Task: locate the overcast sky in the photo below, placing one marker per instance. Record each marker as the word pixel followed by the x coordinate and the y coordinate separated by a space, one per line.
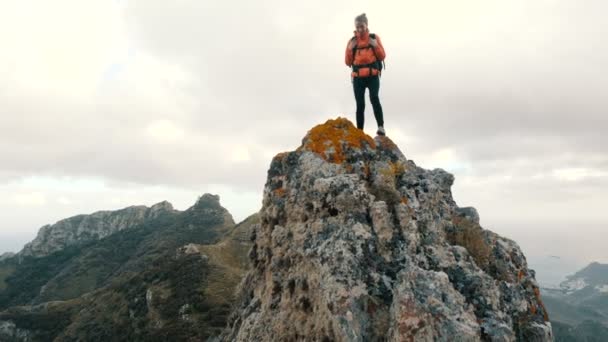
pixel 105 104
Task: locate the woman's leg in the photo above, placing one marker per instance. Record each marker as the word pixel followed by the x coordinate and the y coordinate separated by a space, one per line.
pixel 374 88
pixel 359 89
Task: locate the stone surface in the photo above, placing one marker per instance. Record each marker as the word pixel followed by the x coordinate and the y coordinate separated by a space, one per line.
pixel 357 243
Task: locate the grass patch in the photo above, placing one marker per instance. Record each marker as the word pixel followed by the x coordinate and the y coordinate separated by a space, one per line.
pixel 469 235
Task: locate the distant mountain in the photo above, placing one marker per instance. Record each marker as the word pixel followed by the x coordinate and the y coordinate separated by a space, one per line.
pixel 551 270
pixel 594 276
pixel 579 307
pixel 6 255
pixel 83 228
pixel 587 331
pixel 171 276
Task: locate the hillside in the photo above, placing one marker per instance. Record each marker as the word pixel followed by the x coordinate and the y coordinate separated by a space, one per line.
pixel 149 282
pixel 579 308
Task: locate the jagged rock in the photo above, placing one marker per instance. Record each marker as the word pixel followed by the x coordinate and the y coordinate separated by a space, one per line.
pixel 357 243
pixel 209 207
pixel 84 228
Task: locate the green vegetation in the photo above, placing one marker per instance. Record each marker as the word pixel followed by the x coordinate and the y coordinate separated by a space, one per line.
pixel 5 271
pixel 79 269
pixel 586 331
pixel 98 290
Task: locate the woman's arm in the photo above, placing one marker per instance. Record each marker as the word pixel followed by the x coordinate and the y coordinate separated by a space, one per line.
pixel 348 59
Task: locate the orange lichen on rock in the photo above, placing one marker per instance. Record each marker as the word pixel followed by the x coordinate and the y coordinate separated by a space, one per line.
pixel 541 304
pixel 281 155
pixel 520 275
pixel 386 143
pixel 330 139
pixel 366 170
pixel 280 192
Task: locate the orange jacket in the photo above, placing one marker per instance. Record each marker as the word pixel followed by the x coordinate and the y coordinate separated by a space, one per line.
pixel 364 55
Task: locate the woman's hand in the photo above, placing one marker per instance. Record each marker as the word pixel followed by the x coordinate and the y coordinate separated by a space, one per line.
pixel 373 42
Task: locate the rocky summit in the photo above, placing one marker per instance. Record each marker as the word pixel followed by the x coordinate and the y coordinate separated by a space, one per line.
pixel 357 243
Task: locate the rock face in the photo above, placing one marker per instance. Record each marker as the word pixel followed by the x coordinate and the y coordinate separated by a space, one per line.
pixel 357 243
pixel 83 228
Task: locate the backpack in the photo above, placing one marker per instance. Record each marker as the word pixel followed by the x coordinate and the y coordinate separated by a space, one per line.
pixel 377 64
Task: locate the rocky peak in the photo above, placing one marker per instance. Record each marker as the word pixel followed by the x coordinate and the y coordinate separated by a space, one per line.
pixel 357 243
pixel 208 210
pixel 160 207
pixel 208 201
pixel 82 228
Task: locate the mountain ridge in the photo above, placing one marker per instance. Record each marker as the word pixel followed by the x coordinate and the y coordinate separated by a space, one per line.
pixel 88 227
pixel 579 306
pixel 164 279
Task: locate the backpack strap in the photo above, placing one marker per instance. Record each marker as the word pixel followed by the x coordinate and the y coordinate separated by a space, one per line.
pixel 373 36
pixel 353 39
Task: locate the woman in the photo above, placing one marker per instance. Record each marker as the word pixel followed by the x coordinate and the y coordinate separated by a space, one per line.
pixel 365 53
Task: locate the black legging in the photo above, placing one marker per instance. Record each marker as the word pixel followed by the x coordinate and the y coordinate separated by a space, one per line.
pixel 359 85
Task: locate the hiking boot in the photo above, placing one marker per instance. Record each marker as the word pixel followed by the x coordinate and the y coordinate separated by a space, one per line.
pixel 381 131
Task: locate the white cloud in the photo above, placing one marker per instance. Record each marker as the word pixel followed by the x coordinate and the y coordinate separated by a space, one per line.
pixel 577 174
pixel 240 154
pixel 164 131
pixel 29 199
pixel 64 200
pixel 59 48
pixel 102 98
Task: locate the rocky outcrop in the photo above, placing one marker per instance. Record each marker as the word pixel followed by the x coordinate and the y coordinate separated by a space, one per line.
pixel 357 243
pixel 84 228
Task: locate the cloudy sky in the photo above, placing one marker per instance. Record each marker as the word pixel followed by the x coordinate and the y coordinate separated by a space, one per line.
pixel 105 104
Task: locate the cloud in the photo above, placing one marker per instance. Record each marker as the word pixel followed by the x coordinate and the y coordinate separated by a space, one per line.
pixel 192 95
pixel 578 174
pixel 29 199
pixel 164 131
